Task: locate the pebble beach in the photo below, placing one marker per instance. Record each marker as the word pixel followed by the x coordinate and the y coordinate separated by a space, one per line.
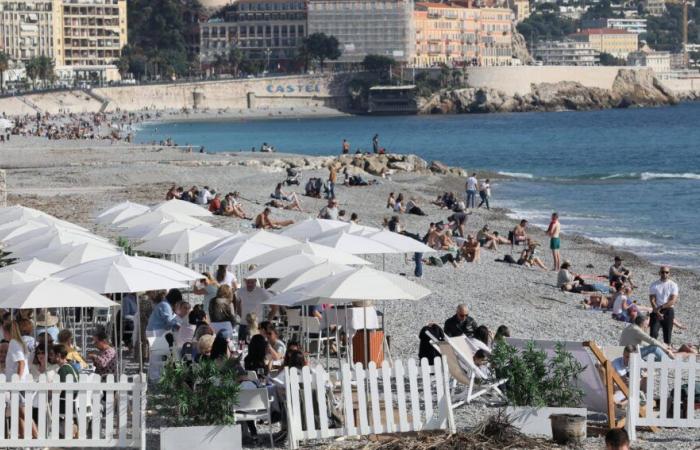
pixel 74 179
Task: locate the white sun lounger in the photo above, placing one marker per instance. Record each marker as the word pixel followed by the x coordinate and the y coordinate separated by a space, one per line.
pixel 460 361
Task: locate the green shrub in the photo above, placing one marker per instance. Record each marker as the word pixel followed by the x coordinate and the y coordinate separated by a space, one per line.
pixel 535 381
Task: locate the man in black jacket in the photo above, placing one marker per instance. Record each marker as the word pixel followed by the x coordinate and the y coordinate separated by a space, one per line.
pixel 461 323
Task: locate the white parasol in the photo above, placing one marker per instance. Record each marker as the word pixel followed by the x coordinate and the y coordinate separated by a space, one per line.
pixel 176 206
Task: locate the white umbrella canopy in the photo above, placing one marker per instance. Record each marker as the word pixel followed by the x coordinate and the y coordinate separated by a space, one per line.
pixel 354 244
pixel 27 236
pixel 16 228
pixel 362 230
pixel 17 212
pixel 51 293
pixel 286 266
pixel 223 241
pixel 157 217
pixel 120 212
pixel 152 231
pixel 113 278
pixel 177 243
pixel 309 228
pixel 156 266
pixel 310 249
pixel 71 254
pixel 52 239
pixel 400 242
pixel 176 206
pixel 356 284
pixel 6 124
pixel 16 277
pixel 34 267
pixel 242 249
pixel 218 232
pixel 304 276
pixel 37 221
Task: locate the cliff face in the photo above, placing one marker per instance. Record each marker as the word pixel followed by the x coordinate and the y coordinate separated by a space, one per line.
pixel 630 88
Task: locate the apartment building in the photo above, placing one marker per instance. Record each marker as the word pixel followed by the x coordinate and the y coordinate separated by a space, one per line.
pixel 270 31
pixel 30 28
pixel 94 32
pixel 366 27
pixel 633 25
pixel 618 43
pixel 565 53
pixel 461 36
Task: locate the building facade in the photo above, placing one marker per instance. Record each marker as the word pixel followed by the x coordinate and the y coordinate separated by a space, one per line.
pixel 31 29
pixel 655 7
pixel 268 31
pixel 521 8
pixel 94 32
pixel 565 53
pixel 633 25
pixel 460 36
pixel 366 27
pixel 660 62
pixel 618 43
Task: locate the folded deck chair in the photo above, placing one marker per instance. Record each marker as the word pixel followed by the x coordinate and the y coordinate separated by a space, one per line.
pixel 460 362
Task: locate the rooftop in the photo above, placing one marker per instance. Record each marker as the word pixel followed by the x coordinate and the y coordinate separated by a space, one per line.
pixel 589 31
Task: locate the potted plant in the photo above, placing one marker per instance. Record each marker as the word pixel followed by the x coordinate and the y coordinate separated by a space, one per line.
pixel 539 388
pixel 199 400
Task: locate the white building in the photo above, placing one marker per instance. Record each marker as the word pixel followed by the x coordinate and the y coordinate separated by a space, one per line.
pixel 655 7
pixel 565 53
pixel 660 62
pixel 632 25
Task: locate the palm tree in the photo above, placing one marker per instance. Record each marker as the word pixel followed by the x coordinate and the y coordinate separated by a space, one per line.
pixel 4 65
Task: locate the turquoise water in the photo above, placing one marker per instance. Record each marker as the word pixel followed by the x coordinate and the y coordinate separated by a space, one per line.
pixel 629 178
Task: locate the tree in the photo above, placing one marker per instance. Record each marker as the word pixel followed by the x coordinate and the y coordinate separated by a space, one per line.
pixel 220 62
pixel 606 59
pixel 31 67
pixel 601 10
pixel 378 63
pixel 321 47
pixel 545 26
pixel 235 59
pixel 4 65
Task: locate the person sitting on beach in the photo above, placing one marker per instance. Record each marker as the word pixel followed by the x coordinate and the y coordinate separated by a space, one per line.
pixel 528 258
pixel 481 338
pixel 391 201
pixel 399 206
pixel 570 282
pixel 519 233
pixel 446 241
pixel 231 207
pixel 173 193
pixel 413 208
pixel 291 197
pixel 481 360
pixel 204 196
pixel 461 323
pixel 624 309
pixel 264 222
pixel 354 218
pixel 636 335
pixel 330 211
pixel 502 332
pixel 189 195
pixel 471 250
pixel 313 187
pixel 458 219
pixel 618 272
pixel 215 204
pixel 490 240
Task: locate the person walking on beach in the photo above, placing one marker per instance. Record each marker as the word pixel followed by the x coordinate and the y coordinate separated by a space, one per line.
pixel 554 240
pixel 332 177
pixel 471 187
pixel 485 193
pixel 663 295
pixel 346 147
pixel 375 143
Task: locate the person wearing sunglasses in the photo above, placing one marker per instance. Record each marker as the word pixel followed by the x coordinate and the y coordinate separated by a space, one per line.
pixel 663 295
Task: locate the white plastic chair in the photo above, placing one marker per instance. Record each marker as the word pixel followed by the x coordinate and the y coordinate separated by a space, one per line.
pixel 293 323
pixel 312 326
pixel 254 404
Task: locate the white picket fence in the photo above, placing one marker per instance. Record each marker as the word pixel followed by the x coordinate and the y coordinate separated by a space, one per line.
pixel 106 413
pixel 398 397
pixel 664 380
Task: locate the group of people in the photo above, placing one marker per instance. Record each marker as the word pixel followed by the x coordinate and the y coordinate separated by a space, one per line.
pixel 474 186
pixel 71 126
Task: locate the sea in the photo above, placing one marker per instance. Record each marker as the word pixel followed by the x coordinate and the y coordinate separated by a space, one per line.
pixel 628 178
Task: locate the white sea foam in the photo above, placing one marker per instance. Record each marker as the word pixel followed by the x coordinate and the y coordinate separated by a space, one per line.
pixel 645 176
pixel 626 242
pixel 527 176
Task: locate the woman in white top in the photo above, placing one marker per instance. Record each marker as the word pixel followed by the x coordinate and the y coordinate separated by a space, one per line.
pixel 17 363
pixel 208 287
pixel 485 193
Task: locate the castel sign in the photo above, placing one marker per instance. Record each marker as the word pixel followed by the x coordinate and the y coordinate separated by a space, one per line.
pixel 291 88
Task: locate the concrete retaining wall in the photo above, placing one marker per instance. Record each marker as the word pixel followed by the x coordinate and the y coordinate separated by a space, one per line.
pixel 517 79
pixel 684 86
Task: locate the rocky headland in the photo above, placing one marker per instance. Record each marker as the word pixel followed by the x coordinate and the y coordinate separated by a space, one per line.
pixel 631 88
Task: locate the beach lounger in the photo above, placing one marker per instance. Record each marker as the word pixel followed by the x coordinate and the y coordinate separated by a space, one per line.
pixel 460 361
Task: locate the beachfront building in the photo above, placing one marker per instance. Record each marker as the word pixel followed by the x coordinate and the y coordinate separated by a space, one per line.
pixel 366 27
pixel 618 43
pixel 660 62
pixel 565 53
pixel 456 35
pixel 521 8
pixel 268 31
pixel 631 24
pixel 94 32
pixel 30 29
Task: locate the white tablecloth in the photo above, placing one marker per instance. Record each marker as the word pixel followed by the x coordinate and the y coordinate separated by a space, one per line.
pixel 355 318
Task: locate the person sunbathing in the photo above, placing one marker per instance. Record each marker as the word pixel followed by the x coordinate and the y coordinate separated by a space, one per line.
pixel 231 207
pixel 528 258
pixel 264 222
pixel 471 250
pixel 413 208
pixel 446 241
pixel 490 240
pixel 291 197
pixel 391 201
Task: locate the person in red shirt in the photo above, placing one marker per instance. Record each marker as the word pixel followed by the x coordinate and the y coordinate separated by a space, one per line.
pixel 215 204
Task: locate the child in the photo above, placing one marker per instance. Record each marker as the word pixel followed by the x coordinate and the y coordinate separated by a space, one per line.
pixel 481 360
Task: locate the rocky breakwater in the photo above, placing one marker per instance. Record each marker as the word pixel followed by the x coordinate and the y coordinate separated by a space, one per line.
pixel 372 164
pixel 631 87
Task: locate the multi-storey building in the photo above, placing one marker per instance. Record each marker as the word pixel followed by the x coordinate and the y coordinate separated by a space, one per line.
pixel 618 43
pixel 565 53
pixel 521 8
pixel 264 30
pixel 79 35
pixel 655 7
pixel 458 36
pixel 94 32
pixel 30 28
pixel 366 27
pixel 633 25
pixel 660 62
